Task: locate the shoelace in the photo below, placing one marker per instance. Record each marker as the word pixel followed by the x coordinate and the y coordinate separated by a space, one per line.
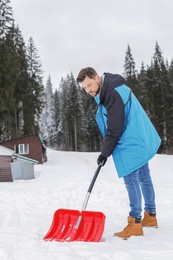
pixel 126 229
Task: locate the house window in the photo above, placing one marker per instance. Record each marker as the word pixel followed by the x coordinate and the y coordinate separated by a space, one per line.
pixel 21 148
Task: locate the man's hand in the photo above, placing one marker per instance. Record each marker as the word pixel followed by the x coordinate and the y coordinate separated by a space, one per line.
pixel 101 160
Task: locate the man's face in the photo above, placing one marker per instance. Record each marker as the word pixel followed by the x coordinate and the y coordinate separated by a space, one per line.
pixel 91 86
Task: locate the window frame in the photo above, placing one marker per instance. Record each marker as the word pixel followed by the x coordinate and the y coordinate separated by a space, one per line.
pixel 21 148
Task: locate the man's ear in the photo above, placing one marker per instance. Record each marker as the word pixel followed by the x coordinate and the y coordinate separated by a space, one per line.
pixel 98 79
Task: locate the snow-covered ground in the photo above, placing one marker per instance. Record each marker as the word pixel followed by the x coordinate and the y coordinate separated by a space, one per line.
pixel 27 208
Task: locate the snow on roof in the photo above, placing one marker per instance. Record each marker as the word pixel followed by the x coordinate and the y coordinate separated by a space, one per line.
pixel 6 151
pixel 9 152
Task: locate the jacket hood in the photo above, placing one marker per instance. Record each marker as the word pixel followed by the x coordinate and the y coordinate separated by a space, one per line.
pixel 111 81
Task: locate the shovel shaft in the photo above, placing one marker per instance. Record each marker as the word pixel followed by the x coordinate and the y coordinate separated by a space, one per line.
pixel 88 195
pixel 91 187
pixel 86 201
pixel 94 178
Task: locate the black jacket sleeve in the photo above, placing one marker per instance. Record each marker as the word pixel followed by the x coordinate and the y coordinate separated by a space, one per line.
pixel 115 121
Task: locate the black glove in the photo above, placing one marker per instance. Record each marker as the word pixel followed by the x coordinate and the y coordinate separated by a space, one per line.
pixel 101 160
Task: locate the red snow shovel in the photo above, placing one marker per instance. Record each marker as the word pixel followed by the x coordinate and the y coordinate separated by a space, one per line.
pixel 73 225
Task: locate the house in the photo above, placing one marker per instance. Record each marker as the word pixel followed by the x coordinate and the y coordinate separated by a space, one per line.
pixel 5 167
pixel 14 166
pixel 30 146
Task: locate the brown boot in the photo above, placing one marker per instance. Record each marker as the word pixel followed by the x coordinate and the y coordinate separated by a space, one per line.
pixel 149 220
pixel 134 228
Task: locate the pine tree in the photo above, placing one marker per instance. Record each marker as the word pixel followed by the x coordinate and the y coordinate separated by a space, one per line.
pixel 63 128
pixel 143 97
pixel 56 118
pixel 6 17
pixel 48 126
pixel 70 129
pixel 160 92
pixel 33 104
pixel 148 85
pixel 130 73
pixel 6 48
pixel 8 79
pixel 76 119
pixel 21 83
pixel 129 66
pixel 170 111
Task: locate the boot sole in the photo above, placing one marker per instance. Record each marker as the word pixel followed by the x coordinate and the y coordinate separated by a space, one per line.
pixel 150 226
pixel 125 238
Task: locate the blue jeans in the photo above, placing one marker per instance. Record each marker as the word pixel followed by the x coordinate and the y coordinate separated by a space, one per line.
pixel 139 183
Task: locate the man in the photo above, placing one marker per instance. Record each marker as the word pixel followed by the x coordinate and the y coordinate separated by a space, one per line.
pixel 131 139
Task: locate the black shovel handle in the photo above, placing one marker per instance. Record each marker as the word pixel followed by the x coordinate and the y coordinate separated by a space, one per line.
pixel 94 178
pixel 91 187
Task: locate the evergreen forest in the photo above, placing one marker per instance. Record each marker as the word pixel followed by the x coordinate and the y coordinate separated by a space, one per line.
pixel 66 116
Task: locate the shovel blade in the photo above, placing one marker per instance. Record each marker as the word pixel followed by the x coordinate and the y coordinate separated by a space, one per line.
pixel 64 228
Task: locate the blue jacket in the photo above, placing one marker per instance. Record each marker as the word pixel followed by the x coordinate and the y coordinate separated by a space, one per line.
pixel 128 133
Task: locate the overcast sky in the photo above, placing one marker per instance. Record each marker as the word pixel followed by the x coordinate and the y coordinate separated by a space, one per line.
pixel 72 34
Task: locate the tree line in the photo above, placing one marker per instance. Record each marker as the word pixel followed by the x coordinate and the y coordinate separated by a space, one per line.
pixel 66 116
pixel 21 79
pixel 68 119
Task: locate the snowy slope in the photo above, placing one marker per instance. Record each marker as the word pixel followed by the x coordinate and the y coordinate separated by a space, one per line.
pixel 27 208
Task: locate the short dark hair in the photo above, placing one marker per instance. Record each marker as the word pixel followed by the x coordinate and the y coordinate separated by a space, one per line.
pixel 90 72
